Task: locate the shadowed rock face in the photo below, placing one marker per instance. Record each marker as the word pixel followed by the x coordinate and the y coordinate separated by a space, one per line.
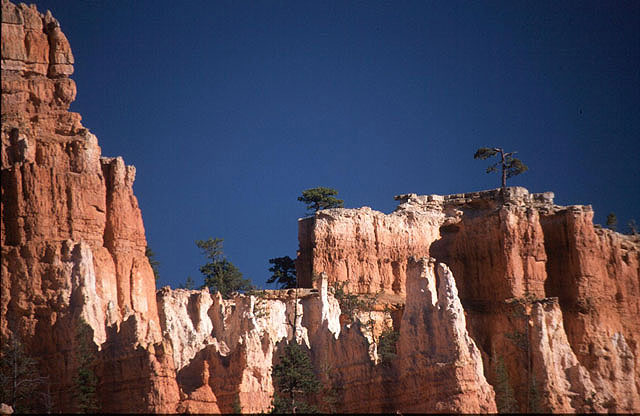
pixel 475 288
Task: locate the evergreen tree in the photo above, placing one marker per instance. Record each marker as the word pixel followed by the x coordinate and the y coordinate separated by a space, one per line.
pixel 534 398
pixel 612 221
pixel 505 397
pixel 220 274
pixel 387 345
pixel 284 272
pixel 320 198
pixel 188 284
pixel 153 262
pixel 85 380
pixel 19 377
pixel 294 380
pixel 633 227
pixel 509 165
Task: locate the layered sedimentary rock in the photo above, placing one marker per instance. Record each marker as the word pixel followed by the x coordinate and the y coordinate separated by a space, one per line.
pixel 73 243
pixel 364 249
pixel 508 254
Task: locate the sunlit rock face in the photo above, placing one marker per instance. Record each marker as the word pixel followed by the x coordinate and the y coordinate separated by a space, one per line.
pixel 508 252
pixel 595 273
pixel 73 241
pixel 234 344
pixel 364 249
pixel 435 351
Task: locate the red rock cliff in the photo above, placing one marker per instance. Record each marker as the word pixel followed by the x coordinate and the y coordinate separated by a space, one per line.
pixel 548 296
pixel 72 236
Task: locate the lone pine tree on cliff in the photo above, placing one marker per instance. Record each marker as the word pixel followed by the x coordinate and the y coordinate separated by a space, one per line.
pixel 153 262
pixel 612 221
pixel 320 198
pixel 510 166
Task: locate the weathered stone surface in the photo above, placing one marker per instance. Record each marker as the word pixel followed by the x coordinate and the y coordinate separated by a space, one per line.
pixel 72 235
pixel 595 273
pixel 435 352
pixel 237 342
pixel 506 252
pixel 363 248
pixel 564 382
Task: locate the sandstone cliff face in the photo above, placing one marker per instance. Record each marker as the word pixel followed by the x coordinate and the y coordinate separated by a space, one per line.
pixel 595 273
pixel 72 235
pixel 512 257
pixel 235 343
pixel 364 249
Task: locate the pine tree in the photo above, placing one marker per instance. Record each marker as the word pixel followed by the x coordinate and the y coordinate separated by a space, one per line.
pixel 505 397
pixel 509 165
pixel 320 198
pixel 153 262
pixel 85 380
pixel 633 227
pixel 188 284
pixel 387 345
pixel 220 274
pixel 534 404
pixel 19 378
pixel 294 380
pixel 612 221
pixel 284 272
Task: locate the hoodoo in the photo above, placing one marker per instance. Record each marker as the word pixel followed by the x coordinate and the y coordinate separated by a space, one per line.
pixel 479 302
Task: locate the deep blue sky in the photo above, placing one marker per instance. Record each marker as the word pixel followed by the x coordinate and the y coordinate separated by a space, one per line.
pixel 230 109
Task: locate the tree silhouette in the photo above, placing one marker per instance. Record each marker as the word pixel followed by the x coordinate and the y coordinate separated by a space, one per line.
pixel 220 274
pixel 612 221
pixel 152 261
pixel 509 165
pixel 320 198
pixel 284 272
pixel 633 227
pixel 188 284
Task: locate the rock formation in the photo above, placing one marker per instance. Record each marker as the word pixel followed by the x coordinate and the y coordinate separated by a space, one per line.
pixel 531 275
pixel 73 241
pixel 468 302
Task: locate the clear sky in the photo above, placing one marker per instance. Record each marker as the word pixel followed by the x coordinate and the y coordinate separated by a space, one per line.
pixel 229 109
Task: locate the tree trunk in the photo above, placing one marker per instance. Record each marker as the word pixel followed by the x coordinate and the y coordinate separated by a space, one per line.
pixel 504 171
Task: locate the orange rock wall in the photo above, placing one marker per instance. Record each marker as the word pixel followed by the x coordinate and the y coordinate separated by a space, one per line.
pixel 362 248
pixel 508 253
pixel 595 273
pixel 72 236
